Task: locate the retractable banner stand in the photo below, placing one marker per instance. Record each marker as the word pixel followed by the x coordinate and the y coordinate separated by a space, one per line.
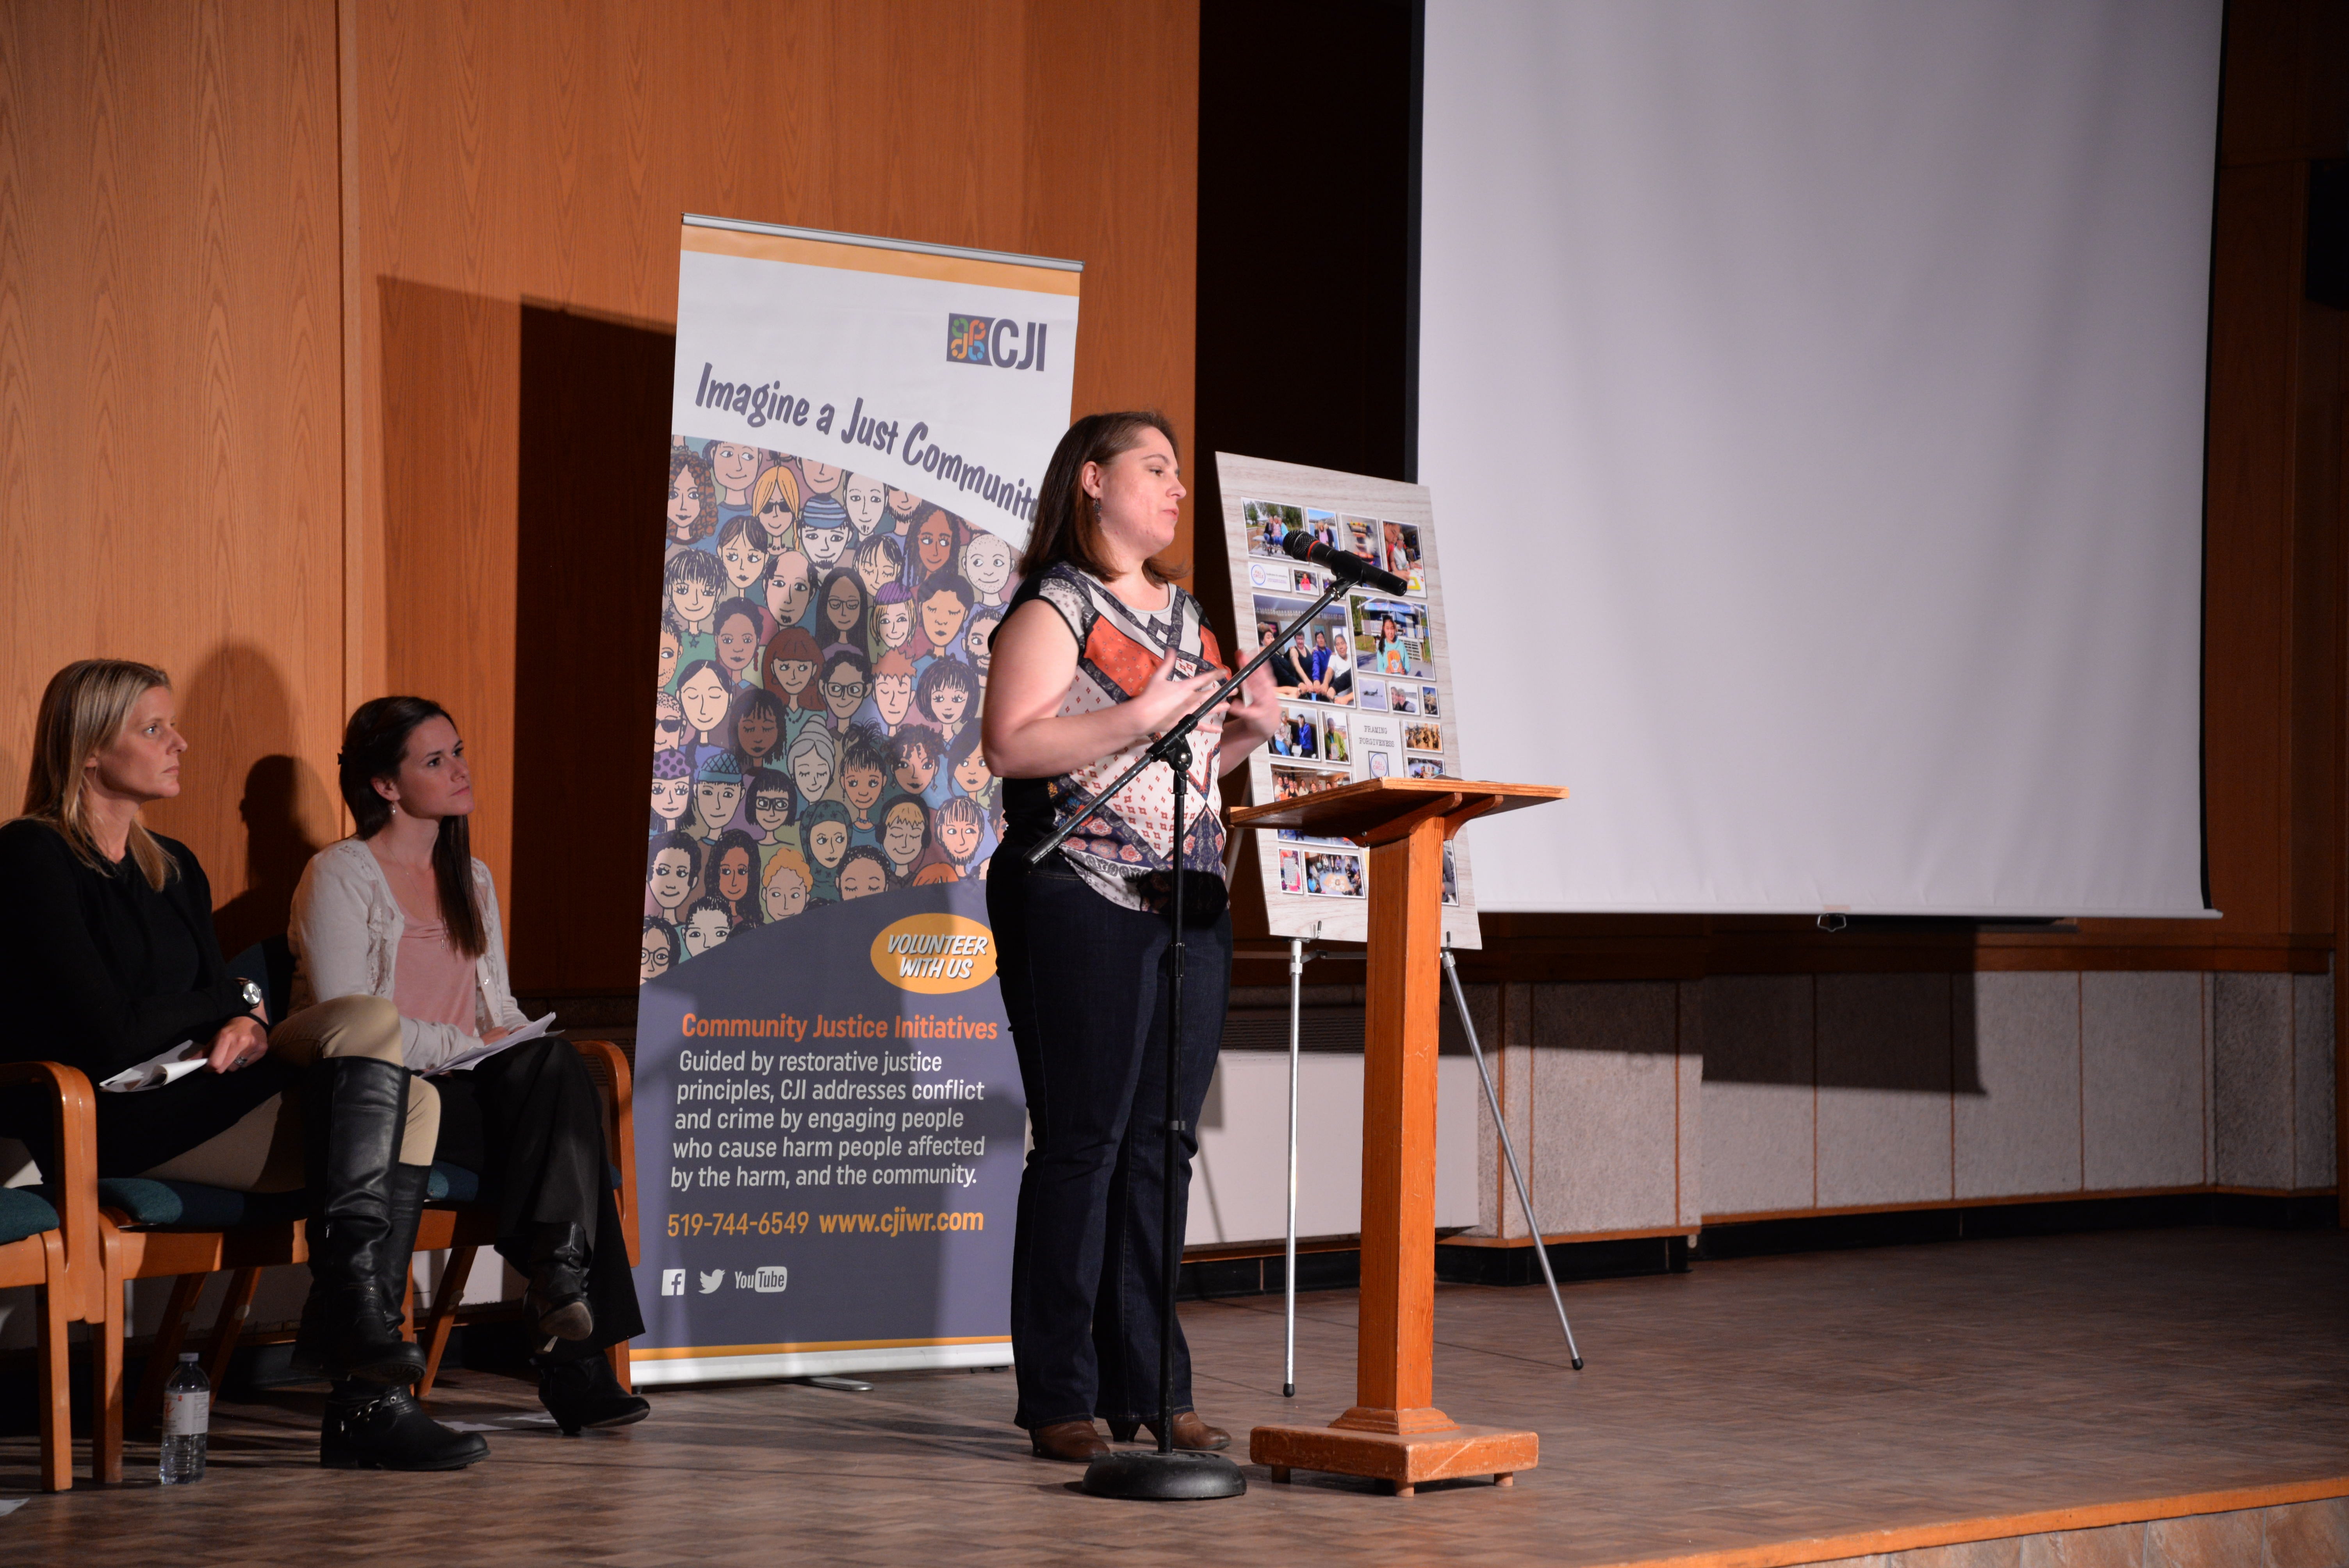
pixel 829 1120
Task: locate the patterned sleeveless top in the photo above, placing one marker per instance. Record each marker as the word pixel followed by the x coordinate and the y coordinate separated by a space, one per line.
pixel 1125 847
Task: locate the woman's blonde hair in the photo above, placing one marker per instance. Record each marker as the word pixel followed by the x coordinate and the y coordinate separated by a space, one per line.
pixel 85 708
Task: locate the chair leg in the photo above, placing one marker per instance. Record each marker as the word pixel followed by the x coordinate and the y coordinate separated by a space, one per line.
pixel 56 1379
pixel 442 1316
pixel 107 1330
pixel 618 1356
pixel 228 1327
pixel 147 1410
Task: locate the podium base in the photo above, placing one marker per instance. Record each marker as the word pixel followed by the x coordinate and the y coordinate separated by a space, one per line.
pixel 1147 1475
pixel 1401 1460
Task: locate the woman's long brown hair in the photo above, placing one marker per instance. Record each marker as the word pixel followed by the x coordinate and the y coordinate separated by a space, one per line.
pixel 375 743
pixel 1067 521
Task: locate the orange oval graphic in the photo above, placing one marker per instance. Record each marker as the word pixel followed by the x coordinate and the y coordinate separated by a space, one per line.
pixel 935 953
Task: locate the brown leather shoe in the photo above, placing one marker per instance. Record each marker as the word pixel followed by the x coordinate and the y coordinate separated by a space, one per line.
pixel 1075 1441
pixel 1191 1434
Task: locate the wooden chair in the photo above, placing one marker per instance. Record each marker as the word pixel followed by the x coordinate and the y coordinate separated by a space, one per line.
pixel 191 1256
pixel 54 1248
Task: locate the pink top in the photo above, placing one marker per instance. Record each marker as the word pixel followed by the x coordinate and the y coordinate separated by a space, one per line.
pixel 433 981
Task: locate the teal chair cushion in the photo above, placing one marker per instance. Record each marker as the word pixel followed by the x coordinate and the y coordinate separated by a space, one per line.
pixel 451 1184
pixel 24 1212
pixel 192 1206
pixel 188 1206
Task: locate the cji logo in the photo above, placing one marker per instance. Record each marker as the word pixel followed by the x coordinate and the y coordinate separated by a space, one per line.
pixel 996 340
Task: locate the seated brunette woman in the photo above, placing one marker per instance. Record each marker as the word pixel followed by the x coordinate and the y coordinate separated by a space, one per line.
pixel 403 911
pixel 107 945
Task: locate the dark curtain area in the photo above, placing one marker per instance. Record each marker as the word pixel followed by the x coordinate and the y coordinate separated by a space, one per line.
pixel 1305 166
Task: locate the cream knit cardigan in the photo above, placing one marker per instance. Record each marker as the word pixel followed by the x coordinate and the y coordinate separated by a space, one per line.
pixel 345 932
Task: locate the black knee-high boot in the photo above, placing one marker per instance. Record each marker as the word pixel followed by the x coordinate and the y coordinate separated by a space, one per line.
pixel 407 1189
pixel 354 1114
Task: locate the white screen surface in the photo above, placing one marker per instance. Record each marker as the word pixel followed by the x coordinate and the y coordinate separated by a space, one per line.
pixel 1812 396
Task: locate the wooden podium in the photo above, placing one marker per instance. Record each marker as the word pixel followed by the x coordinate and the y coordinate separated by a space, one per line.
pixel 1394 1433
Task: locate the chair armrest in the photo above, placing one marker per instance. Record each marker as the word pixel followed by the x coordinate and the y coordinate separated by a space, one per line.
pixel 73 1141
pixel 609 1067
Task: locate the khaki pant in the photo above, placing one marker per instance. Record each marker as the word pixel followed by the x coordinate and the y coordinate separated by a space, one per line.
pixel 263 1152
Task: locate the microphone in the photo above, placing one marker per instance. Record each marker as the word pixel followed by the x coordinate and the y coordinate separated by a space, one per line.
pixel 1342 564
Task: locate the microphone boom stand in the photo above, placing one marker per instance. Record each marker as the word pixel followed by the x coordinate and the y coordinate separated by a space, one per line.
pixel 1169 1474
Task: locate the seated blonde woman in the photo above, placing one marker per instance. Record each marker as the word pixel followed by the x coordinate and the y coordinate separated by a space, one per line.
pixel 107 943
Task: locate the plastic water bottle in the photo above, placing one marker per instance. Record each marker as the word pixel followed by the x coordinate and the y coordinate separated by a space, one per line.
pixel 187 1417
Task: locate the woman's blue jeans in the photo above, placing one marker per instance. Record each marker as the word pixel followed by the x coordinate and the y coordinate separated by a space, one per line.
pixel 1085 985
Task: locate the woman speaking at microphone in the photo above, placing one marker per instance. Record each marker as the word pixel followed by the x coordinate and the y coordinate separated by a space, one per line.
pixel 1099 652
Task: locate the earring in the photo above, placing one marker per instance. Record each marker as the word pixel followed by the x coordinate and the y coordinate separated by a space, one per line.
pixel 395 808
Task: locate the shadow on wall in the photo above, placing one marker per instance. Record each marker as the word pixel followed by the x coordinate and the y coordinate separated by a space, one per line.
pixel 592 444
pixel 1912 1032
pixel 240 722
pixel 523 471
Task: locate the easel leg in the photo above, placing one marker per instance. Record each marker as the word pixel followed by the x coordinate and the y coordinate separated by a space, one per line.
pixel 1289 1271
pixel 1525 1198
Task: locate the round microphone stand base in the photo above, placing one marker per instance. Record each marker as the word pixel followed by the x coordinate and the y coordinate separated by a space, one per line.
pixel 1146 1475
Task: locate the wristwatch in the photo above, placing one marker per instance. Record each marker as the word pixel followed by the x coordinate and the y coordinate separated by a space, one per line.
pixel 254 995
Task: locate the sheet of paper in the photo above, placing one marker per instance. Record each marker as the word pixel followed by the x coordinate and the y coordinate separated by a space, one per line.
pixel 467 1060
pixel 164 1067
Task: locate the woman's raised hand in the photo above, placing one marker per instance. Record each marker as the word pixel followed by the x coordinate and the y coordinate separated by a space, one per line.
pixel 1166 698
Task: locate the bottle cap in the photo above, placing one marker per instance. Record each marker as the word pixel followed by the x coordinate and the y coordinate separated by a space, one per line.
pixel 187 1356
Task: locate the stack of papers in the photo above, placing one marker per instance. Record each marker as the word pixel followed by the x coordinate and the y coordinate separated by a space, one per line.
pixel 465 1061
pixel 165 1067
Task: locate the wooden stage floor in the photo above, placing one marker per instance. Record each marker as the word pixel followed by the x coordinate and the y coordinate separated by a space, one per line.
pixel 1738 1406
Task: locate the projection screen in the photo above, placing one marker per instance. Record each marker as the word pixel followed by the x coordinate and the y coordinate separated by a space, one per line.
pixel 1811 394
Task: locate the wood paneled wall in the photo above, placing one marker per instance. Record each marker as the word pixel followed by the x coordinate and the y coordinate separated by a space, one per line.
pixel 171 457
pixel 510 160
pixel 334 352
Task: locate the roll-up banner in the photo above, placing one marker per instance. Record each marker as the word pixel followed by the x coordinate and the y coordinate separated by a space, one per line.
pixel 829 1123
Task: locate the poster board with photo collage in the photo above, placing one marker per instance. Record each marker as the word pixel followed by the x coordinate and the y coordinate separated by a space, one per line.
pixel 1365 694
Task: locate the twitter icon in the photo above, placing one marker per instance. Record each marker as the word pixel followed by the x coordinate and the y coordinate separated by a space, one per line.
pixel 711 1280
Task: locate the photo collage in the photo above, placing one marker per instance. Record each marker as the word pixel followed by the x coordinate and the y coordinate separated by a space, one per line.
pixel 1358 685
pixel 823 645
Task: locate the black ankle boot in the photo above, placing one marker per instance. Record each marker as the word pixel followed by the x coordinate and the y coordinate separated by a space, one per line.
pixel 354 1114
pixel 558 1282
pixel 369 1426
pixel 581 1391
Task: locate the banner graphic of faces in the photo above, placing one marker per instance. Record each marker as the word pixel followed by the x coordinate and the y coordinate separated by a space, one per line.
pixel 1359 698
pixel 823 645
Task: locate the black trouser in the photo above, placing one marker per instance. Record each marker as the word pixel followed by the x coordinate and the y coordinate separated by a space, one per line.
pixel 1085 983
pixel 530 1123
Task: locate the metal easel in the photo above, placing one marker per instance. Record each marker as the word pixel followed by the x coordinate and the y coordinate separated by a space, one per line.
pixel 1299 956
